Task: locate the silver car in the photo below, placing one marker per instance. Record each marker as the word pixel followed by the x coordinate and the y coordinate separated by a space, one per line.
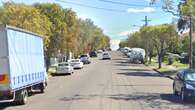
pixel 106 55
pixel 76 63
pixel 64 68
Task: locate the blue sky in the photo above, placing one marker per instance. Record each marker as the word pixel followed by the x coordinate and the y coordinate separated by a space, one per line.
pixel 116 24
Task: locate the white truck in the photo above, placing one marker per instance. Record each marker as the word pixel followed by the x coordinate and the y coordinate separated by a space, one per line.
pixel 22 67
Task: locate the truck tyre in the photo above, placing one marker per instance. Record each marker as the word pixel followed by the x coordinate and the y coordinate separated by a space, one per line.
pixel 22 97
pixel 42 87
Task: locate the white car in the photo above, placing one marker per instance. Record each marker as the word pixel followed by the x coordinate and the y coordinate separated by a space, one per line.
pixel 106 55
pixel 64 68
pixel 99 51
pixel 76 63
pixel 85 59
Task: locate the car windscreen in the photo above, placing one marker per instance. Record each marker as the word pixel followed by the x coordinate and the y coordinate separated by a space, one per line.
pixel 190 76
pixel 63 64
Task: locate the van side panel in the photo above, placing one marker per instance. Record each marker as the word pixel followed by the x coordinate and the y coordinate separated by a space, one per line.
pixel 26 59
pixel 4 62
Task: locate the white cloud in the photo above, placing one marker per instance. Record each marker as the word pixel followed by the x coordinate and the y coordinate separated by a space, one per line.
pixel 6 0
pixel 141 10
pixel 126 33
pixel 148 1
pixel 114 44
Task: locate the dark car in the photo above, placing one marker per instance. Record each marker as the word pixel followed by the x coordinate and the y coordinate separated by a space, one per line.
pixel 184 58
pixel 93 54
pixel 85 59
pixel 184 84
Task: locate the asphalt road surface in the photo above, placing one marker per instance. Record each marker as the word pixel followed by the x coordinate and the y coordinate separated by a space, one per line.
pixel 107 85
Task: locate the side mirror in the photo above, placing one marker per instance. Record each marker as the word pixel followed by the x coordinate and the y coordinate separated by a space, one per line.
pixel 181 79
pixel 178 78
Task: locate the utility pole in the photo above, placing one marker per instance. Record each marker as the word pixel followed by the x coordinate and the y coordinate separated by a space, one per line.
pixel 190 46
pixel 190 35
pixel 146 20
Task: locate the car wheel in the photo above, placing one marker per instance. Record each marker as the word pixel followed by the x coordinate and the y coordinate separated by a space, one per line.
pixel 175 92
pixel 183 95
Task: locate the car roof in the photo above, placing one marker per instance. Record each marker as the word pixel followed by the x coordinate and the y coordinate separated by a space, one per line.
pixel 187 70
pixel 75 59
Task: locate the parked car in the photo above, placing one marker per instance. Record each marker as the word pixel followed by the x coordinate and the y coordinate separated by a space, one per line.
pixel 64 68
pixel 125 50
pixel 76 63
pixel 184 58
pixel 100 51
pixel 106 55
pixel 21 64
pixel 184 84
pixel 85 59
pixel 93 54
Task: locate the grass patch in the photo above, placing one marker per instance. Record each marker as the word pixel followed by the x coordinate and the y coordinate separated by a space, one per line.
pixel 166 69
pixel 179 65
pixel 51 70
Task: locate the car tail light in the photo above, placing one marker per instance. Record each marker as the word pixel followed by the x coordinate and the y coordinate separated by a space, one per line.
pixel 3 78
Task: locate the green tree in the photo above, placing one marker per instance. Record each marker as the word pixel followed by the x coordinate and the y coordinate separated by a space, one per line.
pixel 164 37
pixel 123 44
pixel 155 39
pixel 59 30
pixel 91 36
pixel 26 17
pixel 147 42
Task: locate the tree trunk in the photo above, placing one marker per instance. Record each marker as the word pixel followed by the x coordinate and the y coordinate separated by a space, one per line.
pixel 159 61
pixel 146 57
pixel 150 59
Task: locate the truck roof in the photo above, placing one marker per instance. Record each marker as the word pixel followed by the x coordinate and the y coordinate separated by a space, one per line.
pixel 20 30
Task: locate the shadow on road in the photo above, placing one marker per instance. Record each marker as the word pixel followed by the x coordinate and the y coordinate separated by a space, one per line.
pixel 151 100
pixel 5 105
pixel 12 104
pixel 135 69
pixel 59 75
pixel 140 73
pixel 120 59
pixel 158 101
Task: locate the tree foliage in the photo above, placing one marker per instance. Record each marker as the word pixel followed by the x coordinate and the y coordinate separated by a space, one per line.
pixel 184 10
pixel 63 31
pixel 155 39
pixel 26 17
pixel 123 44
pixel 92 37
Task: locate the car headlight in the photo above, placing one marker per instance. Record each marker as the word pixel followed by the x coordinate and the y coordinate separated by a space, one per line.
pixel 188 86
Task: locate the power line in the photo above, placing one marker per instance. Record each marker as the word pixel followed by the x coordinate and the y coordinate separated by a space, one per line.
pixel 89 6
pixel 127 4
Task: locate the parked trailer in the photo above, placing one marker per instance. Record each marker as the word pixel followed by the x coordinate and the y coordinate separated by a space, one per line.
pixel 21 64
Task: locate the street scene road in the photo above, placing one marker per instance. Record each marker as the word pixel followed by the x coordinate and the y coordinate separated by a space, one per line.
pixel 107 85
